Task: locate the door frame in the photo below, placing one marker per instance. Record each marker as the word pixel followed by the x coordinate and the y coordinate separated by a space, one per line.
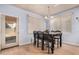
pixel 3 45
pixel 0 31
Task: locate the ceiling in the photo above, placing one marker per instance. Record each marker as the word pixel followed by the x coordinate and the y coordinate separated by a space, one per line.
pixel 42 9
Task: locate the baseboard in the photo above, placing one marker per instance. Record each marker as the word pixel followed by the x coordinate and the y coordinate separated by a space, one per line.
pixel 69 43
pixel 25 43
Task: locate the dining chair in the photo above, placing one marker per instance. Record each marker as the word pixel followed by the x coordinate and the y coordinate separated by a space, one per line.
pixel 58 37
pixel 39 37
pixel 35 37
pixel 50 42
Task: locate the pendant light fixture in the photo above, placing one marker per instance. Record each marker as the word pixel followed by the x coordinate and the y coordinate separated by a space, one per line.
pixel 48 15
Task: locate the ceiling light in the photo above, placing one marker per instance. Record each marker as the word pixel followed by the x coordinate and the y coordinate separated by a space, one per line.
pixel 46 17
pixel 51 16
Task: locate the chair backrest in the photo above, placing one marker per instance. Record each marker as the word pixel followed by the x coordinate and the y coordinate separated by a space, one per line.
pixel 35 34
pixel 56 31
pixel 40 34
pixel 47 37
pixel 57 35
pixel 46 31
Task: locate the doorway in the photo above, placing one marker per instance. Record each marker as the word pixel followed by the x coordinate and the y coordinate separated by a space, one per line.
pixel 9 31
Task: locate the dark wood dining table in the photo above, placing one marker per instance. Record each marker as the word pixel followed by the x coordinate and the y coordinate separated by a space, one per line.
pixel 52 34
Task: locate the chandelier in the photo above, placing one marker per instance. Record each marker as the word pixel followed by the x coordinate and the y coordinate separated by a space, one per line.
pixel 48 16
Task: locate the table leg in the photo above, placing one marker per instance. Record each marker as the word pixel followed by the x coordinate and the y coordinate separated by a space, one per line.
pixel 42 44
pixel 37 42
pixel 60 40
pixel 52 46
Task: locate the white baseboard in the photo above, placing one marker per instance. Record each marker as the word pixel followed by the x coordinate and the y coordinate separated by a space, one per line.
pixel 69 43
pixel 25 43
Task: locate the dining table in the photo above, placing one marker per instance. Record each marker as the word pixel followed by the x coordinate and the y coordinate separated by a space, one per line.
pixel 53 35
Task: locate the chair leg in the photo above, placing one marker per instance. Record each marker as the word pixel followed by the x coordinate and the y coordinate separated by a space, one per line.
pixel 48 48
pixel 52 47
pixel 54 41
pixel 57 43
pixel 61 41
pixel 34 42
pixel 37 42
pixel 42 45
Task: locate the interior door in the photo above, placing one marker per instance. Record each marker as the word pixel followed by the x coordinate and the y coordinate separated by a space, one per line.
pixel 9 31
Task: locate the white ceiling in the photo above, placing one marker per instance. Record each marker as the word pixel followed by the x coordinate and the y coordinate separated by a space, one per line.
pixel 42 9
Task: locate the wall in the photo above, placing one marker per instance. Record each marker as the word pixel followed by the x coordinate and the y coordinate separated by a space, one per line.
pixel 35 24
pixel 73 36
pixel 24 37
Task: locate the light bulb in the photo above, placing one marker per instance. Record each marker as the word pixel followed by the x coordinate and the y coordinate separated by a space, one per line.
pixel 51 16
pixel 46 17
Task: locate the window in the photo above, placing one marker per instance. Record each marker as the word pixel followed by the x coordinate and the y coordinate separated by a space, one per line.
pixel 63 22
pixel 35 24
pixel 67 22
pixel 55 23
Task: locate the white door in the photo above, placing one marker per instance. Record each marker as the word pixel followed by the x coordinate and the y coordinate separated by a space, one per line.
pixel 9 31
